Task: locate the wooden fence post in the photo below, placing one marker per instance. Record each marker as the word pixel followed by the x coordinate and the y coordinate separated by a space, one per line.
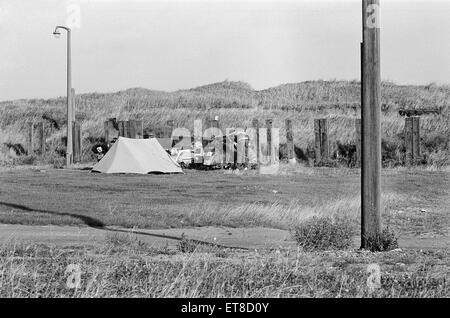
pixel 74 142
pixel 322 151
pixel 52 140
pixel 246 147
pixel 416 138
pixel 263 147
pixel 269 123
pixel 412 139
pixel 30 139
pixel 132 128
pixel 241 138
pixel 76 133
pixel 42 138
pixel 111 131
pixel 80 143
pixel 106 128
pixel 274 146
pixel 408 140
pixel 121 128
pixel 290 141
pixel 325 145
pixel 317 141
pixel 255 125
pixel 139 129
pixel 229 145
pixel 358 142
pixel 126 129
pixel 168 129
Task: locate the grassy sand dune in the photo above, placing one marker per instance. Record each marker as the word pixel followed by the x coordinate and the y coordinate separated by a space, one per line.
pixel 236 104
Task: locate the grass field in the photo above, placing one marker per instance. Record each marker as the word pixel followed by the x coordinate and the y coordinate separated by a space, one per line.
pixel 415 201
pixel 122 265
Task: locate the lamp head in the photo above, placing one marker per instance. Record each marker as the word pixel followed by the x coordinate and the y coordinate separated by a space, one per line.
pixel 57 34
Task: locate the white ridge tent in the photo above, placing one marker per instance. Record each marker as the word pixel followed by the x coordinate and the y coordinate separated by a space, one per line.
pixel 143 156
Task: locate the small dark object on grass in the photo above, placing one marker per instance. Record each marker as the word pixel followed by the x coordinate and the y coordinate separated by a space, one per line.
pixel 324 233
pixel 386 241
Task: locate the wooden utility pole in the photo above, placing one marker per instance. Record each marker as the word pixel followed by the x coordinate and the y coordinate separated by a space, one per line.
pixel 358 142
pixel 371 124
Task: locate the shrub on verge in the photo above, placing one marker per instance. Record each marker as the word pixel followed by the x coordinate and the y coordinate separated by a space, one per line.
pixel 386 241
pixel 324 233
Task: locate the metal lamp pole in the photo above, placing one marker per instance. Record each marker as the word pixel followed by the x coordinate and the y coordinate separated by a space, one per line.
pixel 69 152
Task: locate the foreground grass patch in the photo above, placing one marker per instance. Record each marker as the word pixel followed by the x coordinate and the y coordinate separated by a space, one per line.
pixel 41 271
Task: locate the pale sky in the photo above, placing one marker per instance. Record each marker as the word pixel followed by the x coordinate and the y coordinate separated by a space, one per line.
pixel 170 45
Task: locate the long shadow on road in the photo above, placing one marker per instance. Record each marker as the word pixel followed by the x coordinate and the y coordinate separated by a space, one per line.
pixel 86 219
pixel 97 224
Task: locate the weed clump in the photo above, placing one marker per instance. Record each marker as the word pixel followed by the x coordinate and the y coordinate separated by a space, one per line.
pixel 129 244
pixel 324 233
pixel 385 241
pixel 186 245
pixel 26 160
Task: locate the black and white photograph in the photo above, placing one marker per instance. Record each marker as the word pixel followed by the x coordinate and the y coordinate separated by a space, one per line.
pixel 217 157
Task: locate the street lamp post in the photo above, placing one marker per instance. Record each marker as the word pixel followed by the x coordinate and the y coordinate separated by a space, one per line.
pixel 69 152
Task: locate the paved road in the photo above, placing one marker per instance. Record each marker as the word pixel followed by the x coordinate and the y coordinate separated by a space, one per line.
pixel 247 238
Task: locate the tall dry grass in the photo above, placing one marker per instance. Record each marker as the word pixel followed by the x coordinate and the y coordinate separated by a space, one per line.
pixel 281 214
pixel 124 269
